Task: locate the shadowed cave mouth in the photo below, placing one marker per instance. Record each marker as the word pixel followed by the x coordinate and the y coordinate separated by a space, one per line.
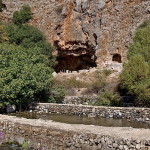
pixel 117 58
pixel 76 56
pixel 74 63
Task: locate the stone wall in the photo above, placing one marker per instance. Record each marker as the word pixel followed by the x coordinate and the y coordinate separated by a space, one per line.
pixel 95 28
pixel 139 114
pixel 49 135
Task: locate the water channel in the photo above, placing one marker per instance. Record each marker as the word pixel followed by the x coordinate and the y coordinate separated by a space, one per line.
pixel 73 119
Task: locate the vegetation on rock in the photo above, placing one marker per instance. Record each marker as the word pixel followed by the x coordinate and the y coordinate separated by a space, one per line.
pixel 29 37
pixel 135 77
pixel 108 98
pixel 23 15
pixel 25 64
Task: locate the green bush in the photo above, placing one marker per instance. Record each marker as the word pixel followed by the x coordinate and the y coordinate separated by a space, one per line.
pixel 108 98
pixel 24 74
pixel 141 42
pixel 135 77
pixel 107 72
pixel 22 16
pixel 57 94
pixel 29 37
pixel 25 145
pixel 24 35
pixel 3 34
pixel 25 64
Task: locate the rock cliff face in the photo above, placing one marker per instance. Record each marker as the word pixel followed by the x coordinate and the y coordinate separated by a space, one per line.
pixel 86 33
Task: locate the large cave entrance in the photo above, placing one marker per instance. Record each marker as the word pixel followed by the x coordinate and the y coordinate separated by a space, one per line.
pixel 74 63
pixel 74 56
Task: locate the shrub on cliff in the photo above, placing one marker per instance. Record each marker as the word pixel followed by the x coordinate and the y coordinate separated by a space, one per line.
pixel 141 42
pixel 24 75
pixel 24 35
pixel 108 98
pixel 29 37
pixel 135 77
pixel 22 16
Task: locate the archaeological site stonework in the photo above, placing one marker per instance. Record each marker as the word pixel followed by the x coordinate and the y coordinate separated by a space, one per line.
pixel 131 113
pixel 86 33
pixel 50 135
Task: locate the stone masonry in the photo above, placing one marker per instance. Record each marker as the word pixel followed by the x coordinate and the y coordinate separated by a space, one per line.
pixel 139 114
pixel 49 135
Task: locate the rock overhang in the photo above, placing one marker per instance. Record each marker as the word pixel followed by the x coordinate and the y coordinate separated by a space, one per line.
pixel 97 28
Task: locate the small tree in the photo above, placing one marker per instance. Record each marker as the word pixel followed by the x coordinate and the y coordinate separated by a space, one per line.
pixel 29 37
pixel 136 75
pixel 108 98
pixel 57 94
pixel 135 78
pixel 24 73
pixel 22 16
pixel 141 42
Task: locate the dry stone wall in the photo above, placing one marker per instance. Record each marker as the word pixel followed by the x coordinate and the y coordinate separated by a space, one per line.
pixel 49 135
pixel 95 28
pixel 139 114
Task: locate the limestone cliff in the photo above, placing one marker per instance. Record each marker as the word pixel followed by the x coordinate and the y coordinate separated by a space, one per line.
pixel 86 33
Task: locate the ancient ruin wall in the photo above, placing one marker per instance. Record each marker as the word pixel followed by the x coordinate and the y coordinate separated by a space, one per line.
pixel 49 135
pixel 132 113
pixel 97 29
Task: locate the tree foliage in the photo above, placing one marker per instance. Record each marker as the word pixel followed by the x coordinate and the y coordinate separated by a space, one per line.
pixel 141 42
pixel 108 98
pixel 23 74
pixel 23 15
pixel 26 62
pixel 57 94
pixel 3 34
pixel 136 74
pixel 28 37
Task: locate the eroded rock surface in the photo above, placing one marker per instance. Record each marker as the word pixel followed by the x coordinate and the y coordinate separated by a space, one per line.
pixel 88 32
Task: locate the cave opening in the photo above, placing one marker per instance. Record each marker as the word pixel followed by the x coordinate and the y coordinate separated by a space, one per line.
pixel 2 6
pixel 74 63
pixel 117 58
